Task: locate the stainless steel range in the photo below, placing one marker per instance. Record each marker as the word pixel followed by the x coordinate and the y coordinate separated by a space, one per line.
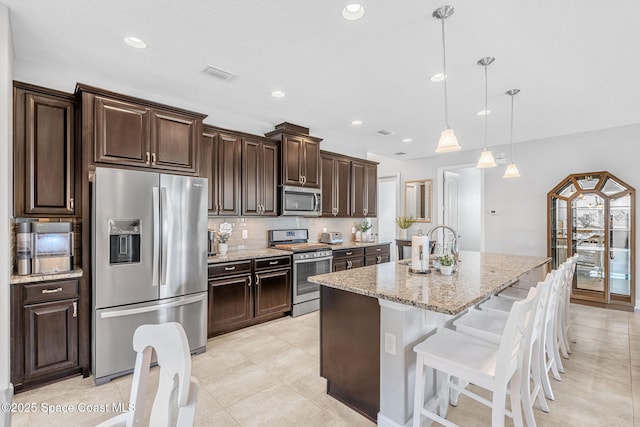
pixel 309 259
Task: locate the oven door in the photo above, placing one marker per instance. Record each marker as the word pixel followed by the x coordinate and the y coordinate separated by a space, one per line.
pixel 303 290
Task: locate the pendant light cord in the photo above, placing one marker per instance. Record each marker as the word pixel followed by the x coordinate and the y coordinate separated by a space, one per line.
pixel 486 109
pixel 511 131
pixel 444 70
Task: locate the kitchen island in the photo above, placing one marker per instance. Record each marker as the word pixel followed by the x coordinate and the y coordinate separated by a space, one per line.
pixel 372 317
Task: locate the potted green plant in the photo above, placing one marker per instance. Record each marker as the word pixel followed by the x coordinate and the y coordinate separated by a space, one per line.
pixel 446 264
pixel 404 222
pixel 223 238
pixel 365 230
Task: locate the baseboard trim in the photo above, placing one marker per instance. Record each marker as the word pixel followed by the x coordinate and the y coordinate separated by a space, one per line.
pixel 388 422
pixel 6 397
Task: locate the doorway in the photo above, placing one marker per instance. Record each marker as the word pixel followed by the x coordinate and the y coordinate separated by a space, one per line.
pixel 388 191
pixel 460 204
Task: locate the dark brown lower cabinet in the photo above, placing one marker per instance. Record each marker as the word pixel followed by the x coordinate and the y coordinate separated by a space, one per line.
pixel 229 304
pixel 44 332
pixel 350 349
pixel 346 259
pixel 51 337
pixel 247 292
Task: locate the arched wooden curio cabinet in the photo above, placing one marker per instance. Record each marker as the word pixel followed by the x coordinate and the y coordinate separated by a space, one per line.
pixel 593 215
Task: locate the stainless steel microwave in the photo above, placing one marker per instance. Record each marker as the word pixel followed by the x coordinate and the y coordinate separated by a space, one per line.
pixel 300 201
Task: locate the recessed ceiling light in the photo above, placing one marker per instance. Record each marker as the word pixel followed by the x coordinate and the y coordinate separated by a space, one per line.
pixel 407 140
pixel 356 122
pixel 278 94
pixel 483 112
pixel 353 11
pixel 135 42
pixel 437 77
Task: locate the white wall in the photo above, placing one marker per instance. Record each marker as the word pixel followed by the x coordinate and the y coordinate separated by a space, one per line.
pixel 469 200
pixel 520 227
pixel 6 101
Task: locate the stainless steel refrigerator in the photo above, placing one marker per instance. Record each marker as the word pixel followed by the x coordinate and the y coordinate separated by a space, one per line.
pixel 149 234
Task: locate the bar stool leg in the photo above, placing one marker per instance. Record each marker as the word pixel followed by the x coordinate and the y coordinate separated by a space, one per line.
pixel 418 398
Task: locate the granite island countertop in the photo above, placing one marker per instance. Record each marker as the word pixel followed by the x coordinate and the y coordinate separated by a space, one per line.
pixel 242 254
pixel 479 275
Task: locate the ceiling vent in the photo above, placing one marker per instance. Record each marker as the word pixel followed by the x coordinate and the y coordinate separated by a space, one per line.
pixel 385 132
pixel 219 73
pixel 399 153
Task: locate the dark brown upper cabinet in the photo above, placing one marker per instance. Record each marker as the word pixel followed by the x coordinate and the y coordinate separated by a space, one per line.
pixel 364 188
pixel 335 184
pixel 220 163
pixel 132 132
pixel 259 177
pixel 300 155
pixel 45 152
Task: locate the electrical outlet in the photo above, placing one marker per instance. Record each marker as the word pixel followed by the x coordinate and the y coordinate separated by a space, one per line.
pixel 390 343
pixel 245 234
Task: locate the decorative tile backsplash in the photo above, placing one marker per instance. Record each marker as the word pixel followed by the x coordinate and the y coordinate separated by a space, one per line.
pixel 257 228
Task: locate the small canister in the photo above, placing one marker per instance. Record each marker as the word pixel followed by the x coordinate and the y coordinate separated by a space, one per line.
pixel 23 248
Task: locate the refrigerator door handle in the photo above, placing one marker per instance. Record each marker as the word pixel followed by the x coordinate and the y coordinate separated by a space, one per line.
pixel 150 308
pixel 164 239
pixel 156 235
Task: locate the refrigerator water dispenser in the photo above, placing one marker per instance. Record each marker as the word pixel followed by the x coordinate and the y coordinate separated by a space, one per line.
pixel 124 241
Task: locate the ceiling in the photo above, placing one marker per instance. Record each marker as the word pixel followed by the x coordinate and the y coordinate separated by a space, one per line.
pixel 575 61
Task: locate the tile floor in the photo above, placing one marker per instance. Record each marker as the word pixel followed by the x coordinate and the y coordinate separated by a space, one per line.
pixel 267 375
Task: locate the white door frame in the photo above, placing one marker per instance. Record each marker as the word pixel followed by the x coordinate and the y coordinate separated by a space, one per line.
pixel 440 196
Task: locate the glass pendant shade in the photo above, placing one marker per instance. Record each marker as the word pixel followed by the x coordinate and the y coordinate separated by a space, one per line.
pixel 511 171
pixel 447 142
pixel 486 160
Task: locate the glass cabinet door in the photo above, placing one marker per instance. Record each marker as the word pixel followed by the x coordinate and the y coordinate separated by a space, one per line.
pixel 619 246
pixel 592 215
pixel 588 222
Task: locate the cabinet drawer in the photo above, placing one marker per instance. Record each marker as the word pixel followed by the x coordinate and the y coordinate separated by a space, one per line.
pixel 229 268
pixel 348 253
pixel 376 250
pixel 268 263
pixel 50 291
pixel 376 259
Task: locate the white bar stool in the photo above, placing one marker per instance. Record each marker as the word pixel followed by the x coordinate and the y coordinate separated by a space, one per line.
pixel 475 361
pixel 490 326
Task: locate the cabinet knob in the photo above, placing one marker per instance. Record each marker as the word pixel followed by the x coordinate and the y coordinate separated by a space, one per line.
pixel 257 280
pixel 249 282
pixel 273 262
pixel 378 259
pixel 230 268
pixel 365 211
pixel 75 309
pixel 147 157
pixel 153 158
pixel 349 253
pixel 51 291
pixel 71 203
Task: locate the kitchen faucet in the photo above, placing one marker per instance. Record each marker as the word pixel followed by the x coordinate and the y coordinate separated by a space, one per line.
pixel 455 250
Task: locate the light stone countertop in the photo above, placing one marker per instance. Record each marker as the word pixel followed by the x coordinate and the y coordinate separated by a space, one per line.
pixel 34 278
pixel 243 254
pixel 479 275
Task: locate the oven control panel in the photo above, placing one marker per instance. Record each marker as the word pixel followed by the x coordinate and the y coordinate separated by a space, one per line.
pixel 312 255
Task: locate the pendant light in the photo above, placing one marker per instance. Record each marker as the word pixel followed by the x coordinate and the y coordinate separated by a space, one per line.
pixel 448 141
pixel 486 158
pixel 512 169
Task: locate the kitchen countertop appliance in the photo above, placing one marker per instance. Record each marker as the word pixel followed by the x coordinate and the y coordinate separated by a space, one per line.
pixel 52 247
pixel 149 238
pixel 331 238
pixel 309 259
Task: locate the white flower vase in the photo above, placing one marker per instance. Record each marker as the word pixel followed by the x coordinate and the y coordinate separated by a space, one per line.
pixel 446 270
pixel 222 248
pixel 403 234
